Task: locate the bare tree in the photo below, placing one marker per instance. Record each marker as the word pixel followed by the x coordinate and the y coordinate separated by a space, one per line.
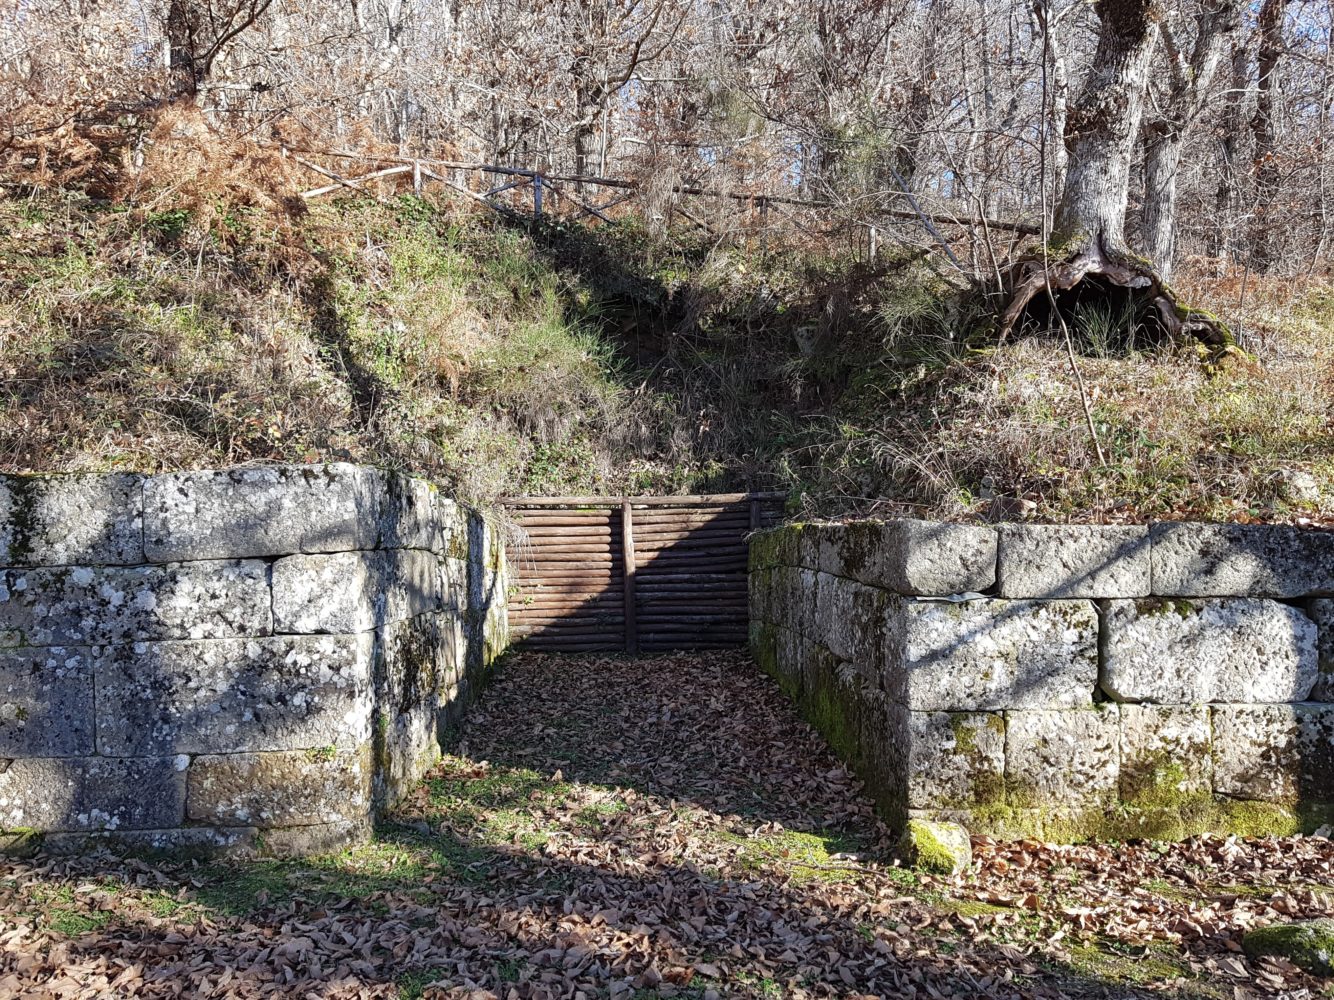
pixel 197 32
pixel 1088 232
pixel 1167 124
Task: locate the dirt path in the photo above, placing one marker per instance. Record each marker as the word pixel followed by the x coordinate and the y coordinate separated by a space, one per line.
pixel 655 827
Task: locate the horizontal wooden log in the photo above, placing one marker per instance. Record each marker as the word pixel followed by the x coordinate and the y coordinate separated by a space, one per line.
pixel 713 518
pixel 598 525
pixel 700 498
pixel 663 579
pixel 573 629
pixel 549 536
pixel 666 605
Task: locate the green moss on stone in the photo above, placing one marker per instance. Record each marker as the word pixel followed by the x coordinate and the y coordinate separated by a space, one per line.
pixel 20 842
pixel 1180 607
pixel 1308 945
pixel 925 846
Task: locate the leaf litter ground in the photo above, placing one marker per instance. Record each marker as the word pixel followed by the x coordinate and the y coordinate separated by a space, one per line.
pixel 662 826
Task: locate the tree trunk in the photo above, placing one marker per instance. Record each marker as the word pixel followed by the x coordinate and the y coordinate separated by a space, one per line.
pixel 1225 195
pixel 1089 240
pixel 1100 133
pixel 1264 127
pixel 1158 217
pixel 183 40
pixel 1165 132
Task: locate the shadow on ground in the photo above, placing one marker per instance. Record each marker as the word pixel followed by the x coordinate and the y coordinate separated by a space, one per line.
pixel 599 827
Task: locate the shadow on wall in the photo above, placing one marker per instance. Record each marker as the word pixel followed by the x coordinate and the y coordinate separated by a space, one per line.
pixel 1060 618
pixel 465 906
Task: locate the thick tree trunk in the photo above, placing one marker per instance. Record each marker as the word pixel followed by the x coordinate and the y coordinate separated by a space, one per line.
pixel 1104 120
pixel 1089 240
pixel 1225 195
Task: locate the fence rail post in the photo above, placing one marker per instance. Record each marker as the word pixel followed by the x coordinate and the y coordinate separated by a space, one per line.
pixel 628 576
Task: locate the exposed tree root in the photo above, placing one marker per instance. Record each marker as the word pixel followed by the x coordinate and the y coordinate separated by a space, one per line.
pixel 1029 277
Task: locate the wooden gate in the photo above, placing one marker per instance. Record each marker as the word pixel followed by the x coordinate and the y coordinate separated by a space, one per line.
pixel 633 573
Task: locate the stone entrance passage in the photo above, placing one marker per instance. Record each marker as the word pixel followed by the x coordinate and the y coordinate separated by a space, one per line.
pixel 634 573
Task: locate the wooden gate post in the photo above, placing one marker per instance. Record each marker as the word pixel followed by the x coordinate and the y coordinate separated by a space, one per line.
pixel 628 576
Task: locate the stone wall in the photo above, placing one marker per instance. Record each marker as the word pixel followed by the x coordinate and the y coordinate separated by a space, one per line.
pixel 1063 681
pixel 249 660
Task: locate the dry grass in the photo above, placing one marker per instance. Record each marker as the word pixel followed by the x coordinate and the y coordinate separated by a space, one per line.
pixel 198 314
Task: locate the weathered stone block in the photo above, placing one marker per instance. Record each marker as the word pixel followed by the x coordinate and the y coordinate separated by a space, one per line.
pixel 414 671
pixel 297 788
pixel 810 542
pixel 453 583
pixel 189 841
pixel 93 793
pixel 278 510
pixel 1083 560
pixel 1322 613
pixel 1275 753
pixel 1060 759
pixel 1177 651
pixel 353 591
pixel 884 754
pixel 97 605
pixel 851 621
pixel 955 759
pixel 46 702
pixel 409 585
pixel 1165 754
pixel 320 838
pixel 1206 560
pixel 224 696
pixel 830 537
pixel 88 520
pixel 932 560
pixel 991 654
pixel 334 593
pixel 409 518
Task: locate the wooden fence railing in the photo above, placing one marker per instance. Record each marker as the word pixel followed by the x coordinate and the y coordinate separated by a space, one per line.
pixel 633 573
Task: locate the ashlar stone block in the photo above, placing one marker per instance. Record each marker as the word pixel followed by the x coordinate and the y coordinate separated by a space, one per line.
pixel 1175 651
pixel 1166 754
pixel 409 516
pixel 343 592
pixel 1216 560
pixel 225 696
pixel 931 559
pixel 46 702
pixel 1083 560
pixel 986 655
pixel 270 511
pixel 955 759
pixel 1062 758
pixel 297 788
pixel 86 520
pixel 93 793
pixel 1274 753
pixel 83 605
pixel 1321 611
pixel 851 621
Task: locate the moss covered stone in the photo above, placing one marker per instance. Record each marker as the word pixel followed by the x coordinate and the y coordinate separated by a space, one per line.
pixel 1308 945
pixel 939 848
